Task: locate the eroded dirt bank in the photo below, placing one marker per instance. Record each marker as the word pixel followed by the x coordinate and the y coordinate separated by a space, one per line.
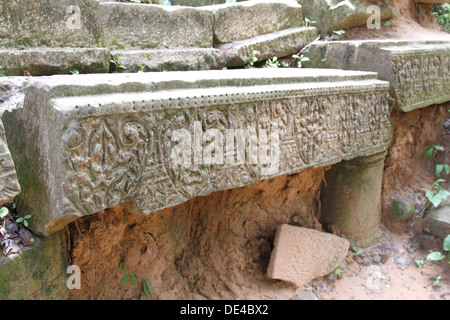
pixel 213 247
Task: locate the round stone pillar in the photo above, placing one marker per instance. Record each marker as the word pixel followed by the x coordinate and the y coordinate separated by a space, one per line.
pixel 351 199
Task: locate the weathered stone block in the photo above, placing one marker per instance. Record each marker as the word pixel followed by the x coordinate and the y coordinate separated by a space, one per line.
pixel 9 186
pixel 154 140
pixel 248 19
pixel 331 15
pixel 49 61
pixel 437 221
pixel 50 23
pixel 39 272
pixel 88 23
pixel 277 44
pixel 170 59
pixel 131 25
pixel 416 70
pixel 301 255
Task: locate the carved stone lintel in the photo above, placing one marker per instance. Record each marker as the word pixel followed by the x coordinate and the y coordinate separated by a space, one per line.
pixel 416 70
pixel 157 140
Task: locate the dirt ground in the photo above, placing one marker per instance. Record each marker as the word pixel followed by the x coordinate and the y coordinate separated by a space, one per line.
pixel 397 278
pixel 414 22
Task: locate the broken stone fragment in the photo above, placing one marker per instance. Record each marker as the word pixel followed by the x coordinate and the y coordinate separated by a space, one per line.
pixel 301 255
pixel 437 221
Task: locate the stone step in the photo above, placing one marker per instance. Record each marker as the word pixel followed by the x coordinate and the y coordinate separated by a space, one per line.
pixel 50 61
pixel 154 140
pixel 416 70
pixel 277 44
pixel 248 19
pixel 119 25
pixel 169 59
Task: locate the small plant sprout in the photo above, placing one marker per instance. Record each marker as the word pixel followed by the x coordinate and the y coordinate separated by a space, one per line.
pixel 127 275
pixel 436 281
pixel 147 287
pixel 300 59
pixel 433 150
pixel 420 263
pixel 252 60
pixel 4 212
pixel 337 34
pixel 142 69
pixel 435 255
pixel 24 220
pixel 308 22
pixel 74 71
pixel 442 167
pixel 437 195
pixel 274 63
pixel 117 65
pixel 356 250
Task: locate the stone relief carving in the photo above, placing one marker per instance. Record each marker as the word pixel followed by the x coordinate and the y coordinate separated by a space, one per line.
pixel 112 159
pixel 420 77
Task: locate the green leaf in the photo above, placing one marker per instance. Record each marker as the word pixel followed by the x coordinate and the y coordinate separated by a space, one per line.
pixel 121 266
pixel 28 216
pixel 2 75
pixel 4 212
pixel 25 223
pixel 124 280
pixel 439 168
pixel 147 287
pixel 435 256
pixel 429 152
pixel 447 168
pixel 19 220
pixel 438 147
pixel 419 262
pixel 437 198
pixel 357 250
pixel 436 281
pixel 446 243
pixel 132 279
